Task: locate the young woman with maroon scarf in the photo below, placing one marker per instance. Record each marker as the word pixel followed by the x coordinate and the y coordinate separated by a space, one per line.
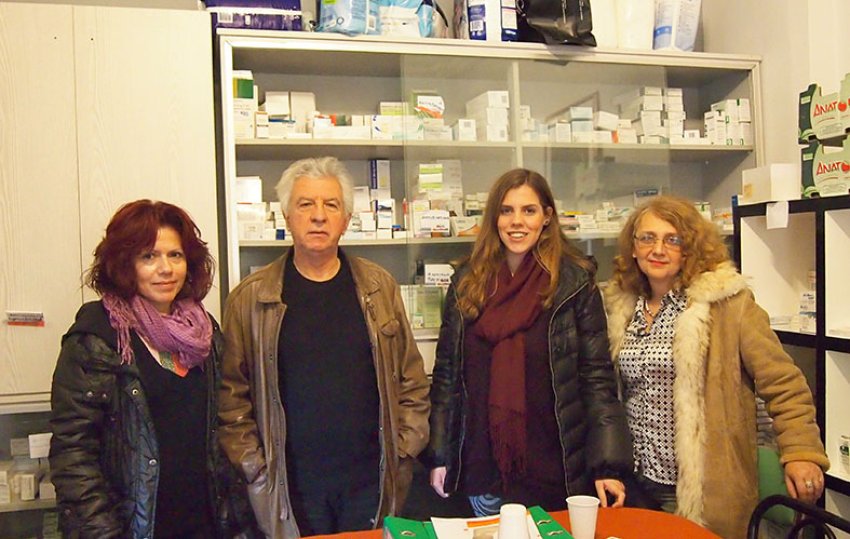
pixel 524 398
pixel 135 450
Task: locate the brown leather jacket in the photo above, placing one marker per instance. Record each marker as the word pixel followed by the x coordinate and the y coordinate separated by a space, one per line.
pixel 253 425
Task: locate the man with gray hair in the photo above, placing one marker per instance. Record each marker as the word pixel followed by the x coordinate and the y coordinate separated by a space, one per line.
pixel 324 398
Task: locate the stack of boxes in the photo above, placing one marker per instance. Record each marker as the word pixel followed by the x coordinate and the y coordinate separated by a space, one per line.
pixel 808 305
pixel 244 104
pixel 642 107
pixel 291 115
pixel 489 111
pixel 824 121
pixel 6 473
pixel 256 219
pixel 728 123
pixel 657 116
pixel 25 477
pixel 429 108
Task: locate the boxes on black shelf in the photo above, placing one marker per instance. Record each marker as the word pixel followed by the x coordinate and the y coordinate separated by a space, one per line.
pixel 825 170
pixel 818 115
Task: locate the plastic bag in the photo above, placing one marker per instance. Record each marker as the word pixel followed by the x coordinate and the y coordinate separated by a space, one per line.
pixel 406 18
pixel 348 16
pixel 556 21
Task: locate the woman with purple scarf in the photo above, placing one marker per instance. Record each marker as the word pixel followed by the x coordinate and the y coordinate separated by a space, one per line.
pixel 134 451
pixel 523 399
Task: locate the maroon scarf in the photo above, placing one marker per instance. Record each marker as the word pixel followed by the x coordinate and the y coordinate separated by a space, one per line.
pixel 508 314
pixel 186 333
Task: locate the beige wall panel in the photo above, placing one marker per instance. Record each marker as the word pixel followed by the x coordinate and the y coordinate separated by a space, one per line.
pixel 145 117
pixel 39 213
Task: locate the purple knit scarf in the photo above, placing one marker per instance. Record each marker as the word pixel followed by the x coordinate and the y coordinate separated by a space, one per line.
pixel 185 333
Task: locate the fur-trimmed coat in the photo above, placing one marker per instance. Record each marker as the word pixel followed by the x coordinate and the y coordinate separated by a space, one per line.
pixel 725 353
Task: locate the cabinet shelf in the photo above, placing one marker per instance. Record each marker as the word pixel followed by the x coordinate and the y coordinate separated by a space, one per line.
pixel 353 75
pixel 838 344
pixel 293 149
pixel 261 244
pixel 357 54
pixel 345 149
pixel 344 242
pixel 676 153
pixel 838 481
pixel 794 338
pixel 28 505
pixel 818 235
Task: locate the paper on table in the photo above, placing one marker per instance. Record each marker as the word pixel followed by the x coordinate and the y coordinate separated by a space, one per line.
pixel 39 445
pixel 475 528
pixel 777 215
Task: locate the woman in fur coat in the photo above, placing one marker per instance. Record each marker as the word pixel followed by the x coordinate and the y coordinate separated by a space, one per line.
pixel 693 350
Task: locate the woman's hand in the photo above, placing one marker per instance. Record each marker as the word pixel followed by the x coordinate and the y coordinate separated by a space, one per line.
pixel 615 487
pixel 804 480
pixel 438 481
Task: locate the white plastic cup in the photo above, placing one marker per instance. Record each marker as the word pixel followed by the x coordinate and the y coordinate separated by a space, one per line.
pixel 583 511
pixel 513 523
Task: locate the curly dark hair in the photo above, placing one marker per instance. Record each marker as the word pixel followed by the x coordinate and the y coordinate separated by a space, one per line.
pixel 132 230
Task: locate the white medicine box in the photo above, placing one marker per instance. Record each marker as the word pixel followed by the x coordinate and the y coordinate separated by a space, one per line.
pixel 778 181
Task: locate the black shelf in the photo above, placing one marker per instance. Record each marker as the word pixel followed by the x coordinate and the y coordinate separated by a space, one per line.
pixel 837 344
pixel 837 484
pixel 793 338
pixel 820 342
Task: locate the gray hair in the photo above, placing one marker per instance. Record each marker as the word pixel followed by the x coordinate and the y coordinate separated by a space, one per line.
pixel 313 168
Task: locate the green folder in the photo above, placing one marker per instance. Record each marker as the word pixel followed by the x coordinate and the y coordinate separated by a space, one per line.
pixel 402 528
pixel 546 525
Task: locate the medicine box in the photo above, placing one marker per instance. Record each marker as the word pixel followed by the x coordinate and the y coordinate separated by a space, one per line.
pixel 379 174
pixel 818 115
pixel 778 181
pixel 492 98
pixel 276 103
pixel 256 14
pixel 825 170
pixel 464 129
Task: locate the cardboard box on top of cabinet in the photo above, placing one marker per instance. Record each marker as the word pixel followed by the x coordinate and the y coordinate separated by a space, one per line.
pixel 818 115
pixel 256 14
pixel 825 170
pixel 778 181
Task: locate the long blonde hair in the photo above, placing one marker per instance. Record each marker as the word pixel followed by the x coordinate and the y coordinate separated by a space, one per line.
pixel 489 253
pixel 702 247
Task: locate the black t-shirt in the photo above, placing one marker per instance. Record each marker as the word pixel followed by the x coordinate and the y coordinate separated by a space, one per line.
pixel 327 381
pixel 178 407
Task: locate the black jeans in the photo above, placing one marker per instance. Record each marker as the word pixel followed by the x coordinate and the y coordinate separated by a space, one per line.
pixel 334 508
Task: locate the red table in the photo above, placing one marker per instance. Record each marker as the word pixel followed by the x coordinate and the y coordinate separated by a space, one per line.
pixel 625 523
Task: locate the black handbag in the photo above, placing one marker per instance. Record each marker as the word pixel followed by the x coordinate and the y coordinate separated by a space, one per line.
pixel 555 22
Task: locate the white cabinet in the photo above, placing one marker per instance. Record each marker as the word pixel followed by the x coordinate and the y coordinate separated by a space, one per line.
pixel 40 228
pixel 145 117
pixel 778 261
pixel 352 75
pixel 98 107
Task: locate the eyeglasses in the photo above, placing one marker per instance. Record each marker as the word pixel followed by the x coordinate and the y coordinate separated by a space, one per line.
pixel 670 241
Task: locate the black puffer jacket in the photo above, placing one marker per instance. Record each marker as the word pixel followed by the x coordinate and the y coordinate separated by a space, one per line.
pixel 104 451
pixel 594 433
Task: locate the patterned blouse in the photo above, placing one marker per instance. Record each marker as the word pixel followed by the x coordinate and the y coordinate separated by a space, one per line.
pixel 648 371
